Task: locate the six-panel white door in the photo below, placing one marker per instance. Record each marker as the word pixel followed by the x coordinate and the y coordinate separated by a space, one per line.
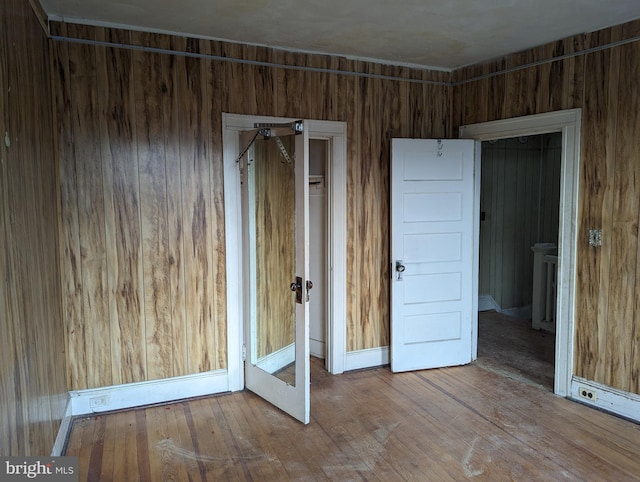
pixel 432 222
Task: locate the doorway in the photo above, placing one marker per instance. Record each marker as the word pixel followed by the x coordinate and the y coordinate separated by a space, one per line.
pixel 318 242
pixel 568 123
pixel 333 136
pixel 519 211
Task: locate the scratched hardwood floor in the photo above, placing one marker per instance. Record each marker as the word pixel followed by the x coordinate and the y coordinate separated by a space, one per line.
pixel 511 347
pixel 451 424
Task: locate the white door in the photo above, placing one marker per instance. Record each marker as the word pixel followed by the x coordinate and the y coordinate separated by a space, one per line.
pixel 276 234
pixel 432 222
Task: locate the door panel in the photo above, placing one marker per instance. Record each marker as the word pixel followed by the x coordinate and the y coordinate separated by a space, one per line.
pixel 275 211
pixel 432 252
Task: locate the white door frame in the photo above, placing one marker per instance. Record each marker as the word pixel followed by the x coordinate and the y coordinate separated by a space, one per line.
pixel 336 133
pixel 569 123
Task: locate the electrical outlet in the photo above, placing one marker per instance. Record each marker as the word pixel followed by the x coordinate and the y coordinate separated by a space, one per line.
pixel 97 403
pixel 587 394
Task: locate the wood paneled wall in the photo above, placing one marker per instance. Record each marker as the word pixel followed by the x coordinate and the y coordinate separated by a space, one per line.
pixel 142 212
pixel 141 161
pixel 33 392
pixel 142 203
pixel 604 83
pixel 520 198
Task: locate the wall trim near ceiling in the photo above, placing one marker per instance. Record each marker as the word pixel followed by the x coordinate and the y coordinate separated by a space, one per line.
pixel 558 58
pixel 276 65
pixel 618 402
pixel 258 63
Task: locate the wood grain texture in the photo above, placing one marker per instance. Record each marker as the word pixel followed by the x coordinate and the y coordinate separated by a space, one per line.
pixel 91 207
pixel 597 178
pixel 154 215
pixel 70 236
pixel 623 317
pixel 142 208
pixel 195 125
pixel 374 109
pixel 604 85
pixel 121 217
pixel 216 175
pixel 257 84
pixel 32 366
pixel 169 98
pixel 367 185
pixel 477 424
pixel 347 101
pixel 188 232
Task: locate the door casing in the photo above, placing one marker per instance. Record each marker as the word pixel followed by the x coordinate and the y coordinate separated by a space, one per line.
pixel 568 122
pixel 336 134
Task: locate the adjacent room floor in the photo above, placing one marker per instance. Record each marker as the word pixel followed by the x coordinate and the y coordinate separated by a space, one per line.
pixel 449 424
pixel 509 346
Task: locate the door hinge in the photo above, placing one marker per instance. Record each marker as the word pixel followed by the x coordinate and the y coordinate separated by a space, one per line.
pixel 244 352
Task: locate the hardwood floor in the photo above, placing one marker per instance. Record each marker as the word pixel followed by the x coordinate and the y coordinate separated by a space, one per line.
pixel 509 346
pixel 449 424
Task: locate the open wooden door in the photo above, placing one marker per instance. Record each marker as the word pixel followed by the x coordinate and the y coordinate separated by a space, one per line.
pixel 276 234
pixel 432 249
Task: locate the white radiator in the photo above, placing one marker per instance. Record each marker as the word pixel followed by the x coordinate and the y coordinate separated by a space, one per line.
pixel 545 287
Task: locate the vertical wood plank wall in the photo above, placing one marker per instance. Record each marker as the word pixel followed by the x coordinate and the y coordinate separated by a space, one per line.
pixel 520 197
pixel 109 106
pixel 33 393
pixel 142 233
pixel 604 83
pixel 142 212
pixel 142 194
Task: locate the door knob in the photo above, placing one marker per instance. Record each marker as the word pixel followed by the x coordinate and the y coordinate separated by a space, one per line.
pixel 309 286
pixel 399 269
pixel 296 287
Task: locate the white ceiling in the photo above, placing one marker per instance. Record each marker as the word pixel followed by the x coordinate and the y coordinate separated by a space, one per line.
pixel 443 34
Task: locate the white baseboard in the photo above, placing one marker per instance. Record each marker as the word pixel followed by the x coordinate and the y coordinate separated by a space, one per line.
pixel 610 399
pixel 487 303
pixel 373 357
pixel 549 326
pixel 131 395
pixel 63 431
pixel 520 312
pixel 279 359
pixel 317 348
